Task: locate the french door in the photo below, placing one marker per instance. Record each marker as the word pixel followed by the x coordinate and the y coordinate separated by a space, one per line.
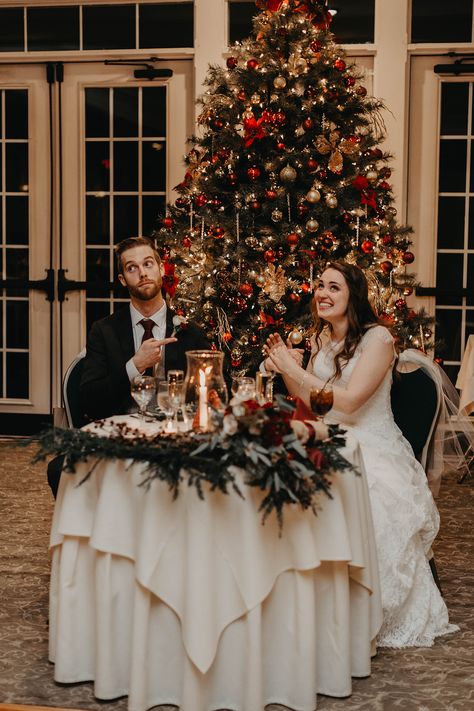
pixel 89 155
pixel 441 200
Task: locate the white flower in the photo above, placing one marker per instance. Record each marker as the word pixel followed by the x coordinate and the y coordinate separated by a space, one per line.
pixel 230 425
pixel 178 320
pixel 237 408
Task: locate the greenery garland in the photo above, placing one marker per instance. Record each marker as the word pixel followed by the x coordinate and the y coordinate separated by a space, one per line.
pixel 287 459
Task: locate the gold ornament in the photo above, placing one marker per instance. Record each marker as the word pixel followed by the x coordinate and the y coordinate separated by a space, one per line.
pixel 331 200
pixel 312 225
pixel 279 82
pixel 295 337
pixel 288 174
pixel 313 195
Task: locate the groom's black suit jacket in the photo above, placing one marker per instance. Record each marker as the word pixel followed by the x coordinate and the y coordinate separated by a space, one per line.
pixel 105 386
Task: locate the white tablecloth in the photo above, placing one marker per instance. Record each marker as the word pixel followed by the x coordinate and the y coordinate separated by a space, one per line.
pixel 195 603
pixel 465 380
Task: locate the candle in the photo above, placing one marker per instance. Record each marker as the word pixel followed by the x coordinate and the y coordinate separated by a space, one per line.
pixel 203 411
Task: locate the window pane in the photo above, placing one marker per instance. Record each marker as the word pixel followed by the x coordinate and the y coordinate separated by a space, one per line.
pixel 152 206
pixel 125 217
pixel 16 220
pixel 471 223
pixel 469 323
pixel 449 269
pixel 17 324
pixel 96 310
pixel 16 160
pixel 470 280
pixel 97 270
pixel 97 166
pixel 17 383
pixel 454 108
pixel 441 21
pixel 53 28
pixel 126 166
pixel 154 165
pixel 16 113
pixel 125 112
pixel 167 25
pixel 108 26
pixel 11 30
pixel 452 166
pixel 97 220
pixel 448 330
pixel 16 265
pixel 451 222
pixel 97 113
pixel 240 20
pixel 154 111
pixel 354 21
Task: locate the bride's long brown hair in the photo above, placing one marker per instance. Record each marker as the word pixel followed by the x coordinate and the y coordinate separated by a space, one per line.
pixel 360 314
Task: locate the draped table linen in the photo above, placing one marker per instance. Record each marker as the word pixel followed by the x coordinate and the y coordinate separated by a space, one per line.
pixel 196 603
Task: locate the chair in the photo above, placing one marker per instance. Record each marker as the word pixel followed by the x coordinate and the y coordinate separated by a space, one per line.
pixel 72 378
pixel 416 405
pixel 74 415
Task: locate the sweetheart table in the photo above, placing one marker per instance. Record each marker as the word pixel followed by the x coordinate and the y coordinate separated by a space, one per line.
pixel 195 603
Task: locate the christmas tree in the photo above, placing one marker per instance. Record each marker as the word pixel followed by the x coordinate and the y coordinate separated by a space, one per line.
pixel 286 175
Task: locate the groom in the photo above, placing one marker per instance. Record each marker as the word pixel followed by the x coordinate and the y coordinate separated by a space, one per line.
pixel 134 339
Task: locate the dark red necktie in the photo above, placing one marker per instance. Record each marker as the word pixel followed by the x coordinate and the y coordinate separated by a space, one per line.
pixel 147 324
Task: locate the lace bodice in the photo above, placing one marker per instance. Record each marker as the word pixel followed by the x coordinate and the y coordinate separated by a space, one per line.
pixel 375 416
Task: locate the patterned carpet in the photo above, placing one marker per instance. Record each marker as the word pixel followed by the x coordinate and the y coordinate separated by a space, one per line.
pixel 439 678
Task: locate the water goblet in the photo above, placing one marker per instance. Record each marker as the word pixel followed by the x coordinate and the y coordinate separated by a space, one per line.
pixel 142 389
pixel 321 400
pixel 244 387
pixel 165 405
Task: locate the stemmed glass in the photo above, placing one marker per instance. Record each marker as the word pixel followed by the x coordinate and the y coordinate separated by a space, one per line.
pixel 142 389
pixel 165 404
pixel 176 393
pixel 321 400
pixel 244 387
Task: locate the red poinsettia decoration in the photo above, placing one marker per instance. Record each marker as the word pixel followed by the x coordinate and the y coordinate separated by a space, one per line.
pixel 367 196
pixel 253 130
pixel 170 280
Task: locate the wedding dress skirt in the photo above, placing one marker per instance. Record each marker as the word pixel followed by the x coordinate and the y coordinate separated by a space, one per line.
pixel 405 516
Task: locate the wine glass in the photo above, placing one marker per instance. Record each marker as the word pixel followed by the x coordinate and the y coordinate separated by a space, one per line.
pixel 321 400
pixel 165 404
pixel 244 387
pixel 142 389
pixel 176 392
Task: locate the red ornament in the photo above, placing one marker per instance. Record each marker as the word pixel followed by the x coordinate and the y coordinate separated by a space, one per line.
pixel 271 194
pixel 312 165
pixel 231 62
pixel 252 64
pixel 232 179
pixel 386 267
pixel 242 96
pixel 308 124
pixel 217 124
pixel 256 205
pixel 305 288
pixel 280 117
pixel 400 304
pixel 361 90
pixel 292 239
pixel 376 153
pixel 349 81
pixel 367 246
pixel 316 45
pixel 322 174
pixel 269 255
pixel 253 173
pixel 218 232
pixel 387 240
pixel 294 298
pixel 340 65
pixel 186 242
pixel 246 289
pixel 200 200
pixel 408 257
pixel 302 209
pixel 168 222
pixel 347 217
pixel 281 146
pixel 383 185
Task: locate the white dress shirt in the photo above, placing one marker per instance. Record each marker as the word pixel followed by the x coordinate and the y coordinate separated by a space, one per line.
pixel 159 332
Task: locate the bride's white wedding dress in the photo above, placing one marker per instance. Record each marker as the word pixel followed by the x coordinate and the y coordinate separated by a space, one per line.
pixel 406 519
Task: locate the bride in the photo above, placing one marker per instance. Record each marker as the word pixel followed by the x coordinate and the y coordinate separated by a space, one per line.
pixel 356 354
